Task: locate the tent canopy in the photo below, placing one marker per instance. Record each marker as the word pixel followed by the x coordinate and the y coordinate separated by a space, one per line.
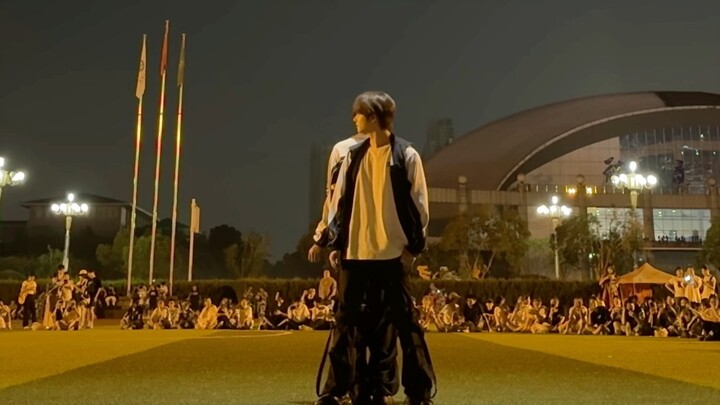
pixel 645 274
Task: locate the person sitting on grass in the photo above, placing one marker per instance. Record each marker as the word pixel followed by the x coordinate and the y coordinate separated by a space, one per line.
pixel 577 318
pixel 298 316
pixel 65 316
pixel 427 312
pixel 323 318
pixel 500 314
pixel 186 317
pixel 5 318
pixel 208 316
pixel 666 319
pixel 472 314
pixel 243 315
pixel 537 321
pixel 277 314
pixel 173 314
pixel 630 319
pixel 599 320
pixel 449 316
pixel 133 318
pixel 224 315
pixel 159 319
pixel 710 320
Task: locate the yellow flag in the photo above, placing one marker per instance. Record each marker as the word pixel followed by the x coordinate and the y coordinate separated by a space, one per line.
pixel 140 89
pixel 194 217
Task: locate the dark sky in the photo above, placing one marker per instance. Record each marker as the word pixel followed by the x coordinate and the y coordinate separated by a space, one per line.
pixel 267 78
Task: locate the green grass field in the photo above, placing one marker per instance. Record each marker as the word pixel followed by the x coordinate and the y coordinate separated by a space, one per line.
pixel 108 366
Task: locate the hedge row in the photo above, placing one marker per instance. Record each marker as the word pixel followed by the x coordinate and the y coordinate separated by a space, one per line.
pixel 293 288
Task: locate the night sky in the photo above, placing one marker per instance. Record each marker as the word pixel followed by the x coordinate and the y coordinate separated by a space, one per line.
pixel 265 79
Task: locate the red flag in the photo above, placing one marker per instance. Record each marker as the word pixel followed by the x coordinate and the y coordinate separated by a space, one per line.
pixel 164 57
pixel 181 64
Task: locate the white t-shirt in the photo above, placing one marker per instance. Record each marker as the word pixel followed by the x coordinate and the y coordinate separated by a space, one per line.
pixel 375 229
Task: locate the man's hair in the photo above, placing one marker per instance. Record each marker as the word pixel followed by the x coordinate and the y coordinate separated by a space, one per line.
pixel 376 104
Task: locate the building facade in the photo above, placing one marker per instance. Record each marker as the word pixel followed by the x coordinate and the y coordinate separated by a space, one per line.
pixel 105 217
pixel 571 149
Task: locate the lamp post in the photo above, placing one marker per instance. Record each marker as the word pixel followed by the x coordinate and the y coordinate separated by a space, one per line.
pixel 635 182
pixel 9 177
pixel 69 209
pixel 555 212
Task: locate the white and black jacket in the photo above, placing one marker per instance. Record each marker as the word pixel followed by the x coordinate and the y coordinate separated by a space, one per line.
pixel 409 192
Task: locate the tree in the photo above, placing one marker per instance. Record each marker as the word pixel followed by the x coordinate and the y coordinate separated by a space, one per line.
pixel 583 243
pixel 508 238
pixel 466 235
pixel 711 246
pixel 295 264
pixel 499 235
pixel 578 240
pixel 113 258
pixel 255 251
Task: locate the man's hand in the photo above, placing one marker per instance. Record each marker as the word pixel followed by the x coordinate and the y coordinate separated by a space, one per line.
pixel 407 259
pixel 335 259
pixel 314 253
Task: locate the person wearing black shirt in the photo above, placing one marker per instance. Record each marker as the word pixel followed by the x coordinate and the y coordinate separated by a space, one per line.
pixel 277 314
pixel 152 297
pixel 133 318
pixel 194 299
pixel 600 319
pixel 472 314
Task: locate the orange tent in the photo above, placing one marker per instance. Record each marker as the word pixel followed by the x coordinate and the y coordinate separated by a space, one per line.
pixel 640 281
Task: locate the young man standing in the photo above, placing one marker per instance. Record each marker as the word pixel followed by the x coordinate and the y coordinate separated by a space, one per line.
pixel 377 221
pixel 376 381
pixel 27 299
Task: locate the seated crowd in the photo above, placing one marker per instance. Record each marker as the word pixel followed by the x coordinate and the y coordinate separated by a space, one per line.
pixel 629 317
pixel 150 309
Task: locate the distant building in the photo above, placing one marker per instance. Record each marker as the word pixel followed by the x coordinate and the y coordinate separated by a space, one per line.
pixel 440 134
pixel 571 148
pixel 105 218
pixel 319 155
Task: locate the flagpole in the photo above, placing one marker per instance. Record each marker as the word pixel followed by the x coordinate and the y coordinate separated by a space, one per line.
pixel 139 93
pixel 178 138
pixel 163 65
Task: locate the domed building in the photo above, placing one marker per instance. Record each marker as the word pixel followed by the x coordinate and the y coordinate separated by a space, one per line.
pixel 572 148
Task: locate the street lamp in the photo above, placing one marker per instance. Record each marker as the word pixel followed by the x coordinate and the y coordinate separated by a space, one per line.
pixel 634 182
pixel 8 177
pixel 69 209
pixel 555 212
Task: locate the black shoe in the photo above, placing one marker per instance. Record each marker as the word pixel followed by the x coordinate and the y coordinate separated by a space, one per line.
pixel 328 399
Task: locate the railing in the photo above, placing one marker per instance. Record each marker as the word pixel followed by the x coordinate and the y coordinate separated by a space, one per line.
pixel 563 189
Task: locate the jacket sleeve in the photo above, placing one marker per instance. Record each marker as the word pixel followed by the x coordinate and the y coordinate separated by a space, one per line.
pixel 321 232
pixel 335 218
pixel 418 188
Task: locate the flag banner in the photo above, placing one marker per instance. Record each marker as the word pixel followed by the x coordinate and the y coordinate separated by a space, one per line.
pixel 140 89
pixel 181 64
pixel 164 56
pixel 195 218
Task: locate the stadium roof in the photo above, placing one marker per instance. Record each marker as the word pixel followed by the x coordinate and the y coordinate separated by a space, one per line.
pixel 493 155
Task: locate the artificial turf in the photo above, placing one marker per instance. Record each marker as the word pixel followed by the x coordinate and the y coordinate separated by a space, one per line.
pixel 108 366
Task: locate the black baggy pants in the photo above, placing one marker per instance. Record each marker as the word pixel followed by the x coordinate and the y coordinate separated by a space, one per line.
pixel 29 313
pixel 374 299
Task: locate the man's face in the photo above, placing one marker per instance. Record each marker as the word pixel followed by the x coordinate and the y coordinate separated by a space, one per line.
pixel 471 302
pixel 326 273
pixel 361 123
